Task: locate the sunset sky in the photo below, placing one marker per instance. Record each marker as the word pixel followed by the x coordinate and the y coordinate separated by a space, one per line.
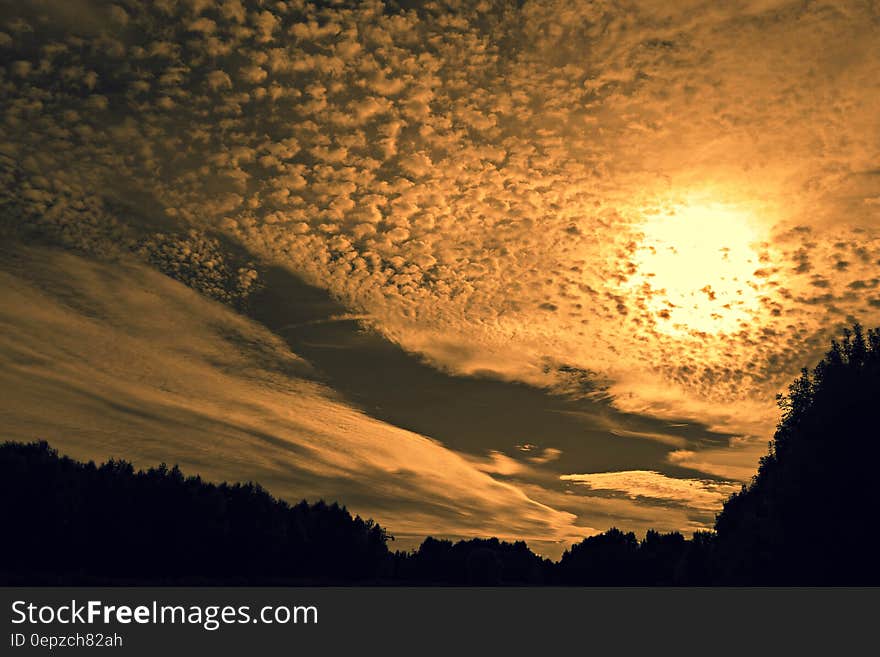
pixel 516 269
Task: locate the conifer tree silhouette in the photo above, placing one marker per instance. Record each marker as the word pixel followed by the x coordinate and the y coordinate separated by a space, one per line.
pixel 808 515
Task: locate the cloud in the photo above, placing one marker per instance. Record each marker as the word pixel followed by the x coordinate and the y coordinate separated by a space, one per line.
pixel 499 463
pixel 737 462
pixel 547 455
pixel 605 508
pixel 694 493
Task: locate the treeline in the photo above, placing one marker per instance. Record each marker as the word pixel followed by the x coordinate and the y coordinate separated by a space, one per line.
pixel 613 558
pixel 71 522
pixel 807 517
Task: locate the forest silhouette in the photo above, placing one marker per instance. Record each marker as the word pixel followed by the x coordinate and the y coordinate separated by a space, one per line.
pixel 806 518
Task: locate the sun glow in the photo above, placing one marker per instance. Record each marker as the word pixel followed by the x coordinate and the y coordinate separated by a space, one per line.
pixel 695 268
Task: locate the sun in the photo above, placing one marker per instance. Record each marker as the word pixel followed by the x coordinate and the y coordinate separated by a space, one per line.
pixel 694 268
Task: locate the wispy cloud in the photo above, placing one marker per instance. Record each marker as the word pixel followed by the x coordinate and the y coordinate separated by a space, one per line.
pixel 738 461
pixel 696 493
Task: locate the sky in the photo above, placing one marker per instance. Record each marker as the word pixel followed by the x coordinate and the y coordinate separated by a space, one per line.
pixel 524 269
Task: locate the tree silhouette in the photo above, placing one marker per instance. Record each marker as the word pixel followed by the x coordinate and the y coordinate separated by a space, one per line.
pixel 71 522
pixel 608 559
pixel 808 515
pixel 483 562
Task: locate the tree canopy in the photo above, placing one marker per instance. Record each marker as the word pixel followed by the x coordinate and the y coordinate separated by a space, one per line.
pixel 807 516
